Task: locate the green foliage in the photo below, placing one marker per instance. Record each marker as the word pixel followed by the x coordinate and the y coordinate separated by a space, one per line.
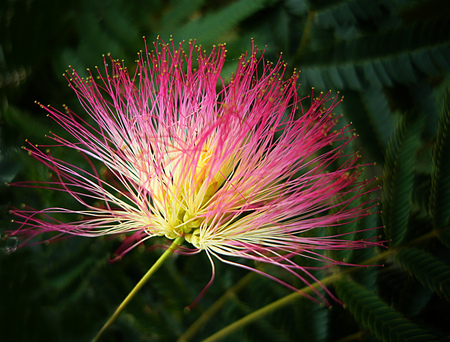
pixel 440 181
pixel 376 316
pixel 369 112
pixel 208 30
pixel 391 62
pixel 399 176
pixel 366 276
pixel 379 59
pixel 430 271
pixel 401 291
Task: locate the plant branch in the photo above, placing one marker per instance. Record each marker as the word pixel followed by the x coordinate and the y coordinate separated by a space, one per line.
pixel 173 247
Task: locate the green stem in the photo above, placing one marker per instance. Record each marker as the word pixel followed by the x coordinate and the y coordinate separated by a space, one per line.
pixel 289 299
pixel 269 308
pixel 213 309
pixel 173 247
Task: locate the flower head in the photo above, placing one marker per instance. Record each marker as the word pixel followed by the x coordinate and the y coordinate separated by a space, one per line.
pixel 240 169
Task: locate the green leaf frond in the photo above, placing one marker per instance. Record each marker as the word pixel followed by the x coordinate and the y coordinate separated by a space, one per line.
pixel 399 177
pixel 208 30
pixel 380 59
pixel 376 316
pixel 430 271
pixel 440 179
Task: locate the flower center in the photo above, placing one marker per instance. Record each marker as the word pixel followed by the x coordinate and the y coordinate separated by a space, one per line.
pixel 185 190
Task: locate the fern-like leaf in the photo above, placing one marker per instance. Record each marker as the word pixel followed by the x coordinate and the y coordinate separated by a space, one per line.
pixel 179 14
pixel 399 177
pixel 384 59
pixel 376 316
pixel 369 113
pixel 69 276
pixel 340 13
pixel 401 291
pixel 209 29
pixel 440 181
pixel 431 272
pixel 365 276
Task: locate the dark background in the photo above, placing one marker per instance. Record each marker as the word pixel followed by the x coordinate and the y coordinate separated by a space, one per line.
pixel 391 61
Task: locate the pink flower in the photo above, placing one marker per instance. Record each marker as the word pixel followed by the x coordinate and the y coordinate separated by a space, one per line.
pixel 238 169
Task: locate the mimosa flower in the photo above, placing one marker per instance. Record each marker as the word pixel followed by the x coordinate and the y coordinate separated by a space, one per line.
pixel 239 169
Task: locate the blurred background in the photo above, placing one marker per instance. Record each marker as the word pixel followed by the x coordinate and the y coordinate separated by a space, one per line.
pixel 391 61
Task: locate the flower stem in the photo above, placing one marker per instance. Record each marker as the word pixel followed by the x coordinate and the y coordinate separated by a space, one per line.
pixel 175 244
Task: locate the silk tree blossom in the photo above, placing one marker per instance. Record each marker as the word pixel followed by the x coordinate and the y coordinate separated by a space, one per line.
pixel 239 169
